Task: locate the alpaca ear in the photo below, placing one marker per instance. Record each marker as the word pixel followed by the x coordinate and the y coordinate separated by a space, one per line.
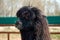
pixel 36 11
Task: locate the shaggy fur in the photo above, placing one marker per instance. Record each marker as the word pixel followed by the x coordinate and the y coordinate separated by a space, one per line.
pixel 41 26
pixel 32 24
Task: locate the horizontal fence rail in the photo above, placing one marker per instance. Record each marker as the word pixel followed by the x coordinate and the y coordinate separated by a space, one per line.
pixel 14 25
pixel 19 32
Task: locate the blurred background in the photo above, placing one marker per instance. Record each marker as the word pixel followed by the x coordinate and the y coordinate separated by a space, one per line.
pixel 8 9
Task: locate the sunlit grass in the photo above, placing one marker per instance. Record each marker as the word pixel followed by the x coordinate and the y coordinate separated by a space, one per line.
pixel 55 36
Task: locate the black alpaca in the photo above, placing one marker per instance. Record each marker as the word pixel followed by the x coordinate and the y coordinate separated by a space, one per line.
pixel 32 24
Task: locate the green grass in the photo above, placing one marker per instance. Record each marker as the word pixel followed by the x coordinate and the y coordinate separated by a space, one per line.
pixel 55 36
